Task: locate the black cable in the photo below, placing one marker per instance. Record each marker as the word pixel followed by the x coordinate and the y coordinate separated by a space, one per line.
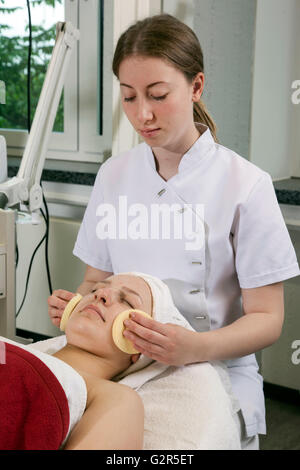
pixel 29 68
pixel 46 217
pixel 3 200
pixel 28 273
pixel 47 220
pixel 17 255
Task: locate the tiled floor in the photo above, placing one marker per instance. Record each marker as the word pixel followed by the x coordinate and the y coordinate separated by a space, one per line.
pixel 283 424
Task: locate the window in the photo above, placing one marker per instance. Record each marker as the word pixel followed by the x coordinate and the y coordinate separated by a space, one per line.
pixel 14 48
pixel 83 127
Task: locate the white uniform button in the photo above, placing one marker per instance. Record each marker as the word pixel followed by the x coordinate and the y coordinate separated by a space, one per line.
pixel 196 262
pixel 195 291
pixel 181 211
pixel 202 317
pixel 161 192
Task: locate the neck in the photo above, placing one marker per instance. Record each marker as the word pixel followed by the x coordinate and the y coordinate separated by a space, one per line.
pixel 87 364
pixel 167 159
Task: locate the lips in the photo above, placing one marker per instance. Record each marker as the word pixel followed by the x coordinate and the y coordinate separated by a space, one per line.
pixel 95 309
pixel 149 132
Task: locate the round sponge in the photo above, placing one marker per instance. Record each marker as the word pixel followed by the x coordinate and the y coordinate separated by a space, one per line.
pixel 68 310
pixel 117 331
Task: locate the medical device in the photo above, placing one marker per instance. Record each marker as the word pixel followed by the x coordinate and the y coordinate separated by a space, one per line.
pixel 25 188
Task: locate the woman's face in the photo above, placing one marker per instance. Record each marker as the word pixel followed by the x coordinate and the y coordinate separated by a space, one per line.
pixel 90 325
pixel 158 101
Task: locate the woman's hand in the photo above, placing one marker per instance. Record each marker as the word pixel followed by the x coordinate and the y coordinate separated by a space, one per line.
pixel 57 303
pixel 163 342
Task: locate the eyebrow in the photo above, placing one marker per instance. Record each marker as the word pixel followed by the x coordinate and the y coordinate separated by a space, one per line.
pixel 127 289
pixel 148 86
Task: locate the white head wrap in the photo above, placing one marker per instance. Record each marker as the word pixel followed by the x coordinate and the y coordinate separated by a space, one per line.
pixel 163 311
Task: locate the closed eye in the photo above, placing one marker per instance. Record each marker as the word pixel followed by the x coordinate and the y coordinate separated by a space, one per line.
pixel 156 98
pixel 123 299
pixel 129 304
pixel 159 98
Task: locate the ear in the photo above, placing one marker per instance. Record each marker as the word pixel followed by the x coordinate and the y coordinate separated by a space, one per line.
pixel 135 358
pixel 198 86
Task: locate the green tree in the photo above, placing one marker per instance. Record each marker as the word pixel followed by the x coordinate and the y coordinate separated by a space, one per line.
pixel 13 67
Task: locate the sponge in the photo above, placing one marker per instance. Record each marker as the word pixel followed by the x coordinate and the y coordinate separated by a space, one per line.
pixel 117 331
pixel 68 310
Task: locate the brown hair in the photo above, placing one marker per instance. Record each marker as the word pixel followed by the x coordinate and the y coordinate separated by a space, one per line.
pixel 166 37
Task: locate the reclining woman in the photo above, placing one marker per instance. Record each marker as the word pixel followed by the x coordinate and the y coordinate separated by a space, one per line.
pixel 92 353
pixel 188 407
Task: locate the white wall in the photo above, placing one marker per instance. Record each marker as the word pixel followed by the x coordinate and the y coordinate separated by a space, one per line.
pixel 67 271
pixel 295 125
pixel 184 10
pixel 251 57
pixel 226 31
pixel 275 68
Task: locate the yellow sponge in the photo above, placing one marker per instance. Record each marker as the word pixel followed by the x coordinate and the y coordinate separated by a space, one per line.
pixel 68 310
pixel 117 331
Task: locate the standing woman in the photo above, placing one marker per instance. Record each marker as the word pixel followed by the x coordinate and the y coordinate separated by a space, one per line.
pixel 226 269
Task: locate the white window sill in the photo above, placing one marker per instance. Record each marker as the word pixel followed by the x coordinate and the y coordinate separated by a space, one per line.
pixel 291 215
pixel 63 193
pixel 66 200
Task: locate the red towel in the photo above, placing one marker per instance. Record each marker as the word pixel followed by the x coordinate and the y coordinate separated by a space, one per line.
pixel 34 411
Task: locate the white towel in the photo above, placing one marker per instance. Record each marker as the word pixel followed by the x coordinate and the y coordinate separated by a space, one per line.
pixel 188 408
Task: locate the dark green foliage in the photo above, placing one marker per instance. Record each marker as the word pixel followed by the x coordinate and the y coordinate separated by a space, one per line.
pixel 13 67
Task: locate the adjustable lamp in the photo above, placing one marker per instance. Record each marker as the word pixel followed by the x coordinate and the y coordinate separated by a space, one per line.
pixel 25 187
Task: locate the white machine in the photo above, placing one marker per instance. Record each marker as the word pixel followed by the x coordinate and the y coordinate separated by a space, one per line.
pixel 25 187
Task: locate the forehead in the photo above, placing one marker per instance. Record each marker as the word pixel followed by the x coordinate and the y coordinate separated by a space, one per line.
pixel 148 69
pixel 126 280
pixel 132 282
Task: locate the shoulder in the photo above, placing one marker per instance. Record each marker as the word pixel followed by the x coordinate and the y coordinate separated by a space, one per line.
pixel 122 160
pixel 102 391
pixel 240 163
pixel 118 174
pixel 239 173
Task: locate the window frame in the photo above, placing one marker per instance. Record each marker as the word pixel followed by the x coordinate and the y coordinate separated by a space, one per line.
pixel 80 141
pixel 16 139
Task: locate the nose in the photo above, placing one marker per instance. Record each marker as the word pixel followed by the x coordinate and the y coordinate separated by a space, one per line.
pixel 144 111
pixel 106 295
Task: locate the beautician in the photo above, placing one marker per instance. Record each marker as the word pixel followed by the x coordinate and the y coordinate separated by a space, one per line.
pixel 229 287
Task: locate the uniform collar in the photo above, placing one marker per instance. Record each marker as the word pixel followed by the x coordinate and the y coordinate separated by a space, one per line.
pixel 195 154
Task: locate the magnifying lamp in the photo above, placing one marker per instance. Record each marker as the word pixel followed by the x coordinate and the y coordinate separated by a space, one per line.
pixel 25 188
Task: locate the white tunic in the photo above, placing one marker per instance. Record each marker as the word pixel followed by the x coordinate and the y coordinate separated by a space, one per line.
pixel 231 206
